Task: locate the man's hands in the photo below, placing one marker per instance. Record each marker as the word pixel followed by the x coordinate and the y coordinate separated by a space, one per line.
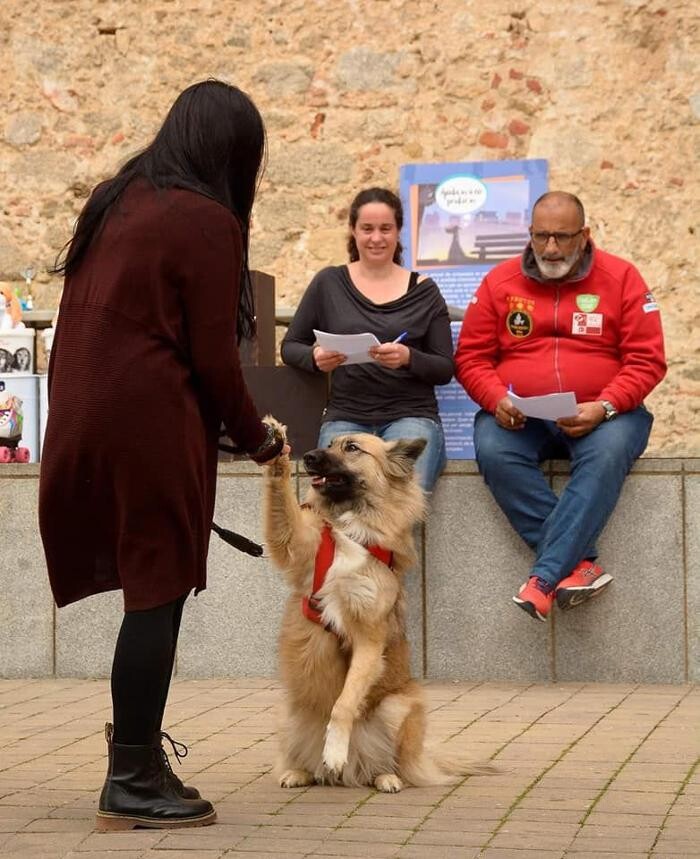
pixel 507 416
pixel 588 417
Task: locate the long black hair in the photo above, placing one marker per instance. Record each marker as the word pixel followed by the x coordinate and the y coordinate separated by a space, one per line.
pixel 375 195
pixel 212 142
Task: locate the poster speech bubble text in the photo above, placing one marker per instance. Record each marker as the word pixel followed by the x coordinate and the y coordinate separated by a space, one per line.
pixel 460 195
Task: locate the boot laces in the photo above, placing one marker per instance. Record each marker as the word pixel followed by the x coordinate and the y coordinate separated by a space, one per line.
pixel 180 750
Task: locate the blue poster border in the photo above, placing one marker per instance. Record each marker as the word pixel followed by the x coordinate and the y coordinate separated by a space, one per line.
pixel 516 185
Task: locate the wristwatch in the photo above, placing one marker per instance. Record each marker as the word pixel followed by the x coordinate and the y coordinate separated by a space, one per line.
pixel 610 411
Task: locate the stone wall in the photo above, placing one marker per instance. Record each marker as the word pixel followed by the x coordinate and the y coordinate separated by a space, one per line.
pixel 461 621
pixel 607 90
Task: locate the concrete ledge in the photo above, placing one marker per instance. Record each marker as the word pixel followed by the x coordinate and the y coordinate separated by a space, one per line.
pixel 462 623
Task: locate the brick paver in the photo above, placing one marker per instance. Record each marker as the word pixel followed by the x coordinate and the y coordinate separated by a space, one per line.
pixel 585 770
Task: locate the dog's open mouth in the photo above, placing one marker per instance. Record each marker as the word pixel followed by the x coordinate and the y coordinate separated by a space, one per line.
pixel 329 475
pixel 318 480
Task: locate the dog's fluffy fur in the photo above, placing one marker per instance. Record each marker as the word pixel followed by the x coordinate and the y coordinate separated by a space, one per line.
pixel 354 715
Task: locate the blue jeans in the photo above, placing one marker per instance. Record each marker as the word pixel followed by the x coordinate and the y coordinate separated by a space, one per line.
pixel 428 465
pixel 562 530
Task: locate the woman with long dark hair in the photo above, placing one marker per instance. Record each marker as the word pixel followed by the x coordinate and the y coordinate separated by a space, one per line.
pixel 393 395
pixel 144 369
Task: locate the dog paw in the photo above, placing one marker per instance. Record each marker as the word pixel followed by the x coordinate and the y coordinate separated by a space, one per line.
pixel 335 751
pixel 296 778
pixel 275 424
pixel 388 783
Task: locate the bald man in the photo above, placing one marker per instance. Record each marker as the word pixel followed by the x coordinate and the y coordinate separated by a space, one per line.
pixel 566 316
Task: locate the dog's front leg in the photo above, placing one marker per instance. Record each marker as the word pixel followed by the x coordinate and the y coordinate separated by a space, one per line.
pixel 289 542
pixel 366 666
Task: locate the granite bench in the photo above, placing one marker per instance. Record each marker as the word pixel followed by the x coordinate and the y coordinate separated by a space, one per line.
pixel 463 625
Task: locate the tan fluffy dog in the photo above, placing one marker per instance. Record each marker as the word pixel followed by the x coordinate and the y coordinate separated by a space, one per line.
pixel 354 715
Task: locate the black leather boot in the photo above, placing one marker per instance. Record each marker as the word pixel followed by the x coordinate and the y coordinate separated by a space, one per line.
pixel 180 750
pixel 139 793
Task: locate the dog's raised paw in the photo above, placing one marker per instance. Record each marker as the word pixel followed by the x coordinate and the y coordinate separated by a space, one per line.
pixel 275 424
pixel 335 751
pixel 296 778
pixel 388 783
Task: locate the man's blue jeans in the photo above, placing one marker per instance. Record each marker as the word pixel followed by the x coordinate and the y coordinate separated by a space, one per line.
pixel 428 465
pixel 562 531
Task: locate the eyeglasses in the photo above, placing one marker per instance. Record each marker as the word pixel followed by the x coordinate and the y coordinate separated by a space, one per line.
pixel 559 238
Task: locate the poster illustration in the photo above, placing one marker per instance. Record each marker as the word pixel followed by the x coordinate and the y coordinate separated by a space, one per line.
pixel 460 221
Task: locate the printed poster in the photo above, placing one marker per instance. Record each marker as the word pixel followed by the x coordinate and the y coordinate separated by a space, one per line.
pixel 460 221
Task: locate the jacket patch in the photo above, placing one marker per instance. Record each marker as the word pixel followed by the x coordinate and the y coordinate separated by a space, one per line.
pixel 519 323
pixel 587 323
pixel 519 319
pixel 650 306
pixel 587 302
pixel 515 302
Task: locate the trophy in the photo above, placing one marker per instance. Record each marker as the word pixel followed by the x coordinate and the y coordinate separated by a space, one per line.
pixel 27 300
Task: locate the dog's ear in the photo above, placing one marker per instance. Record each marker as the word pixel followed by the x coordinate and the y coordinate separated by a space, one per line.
pixel 402 455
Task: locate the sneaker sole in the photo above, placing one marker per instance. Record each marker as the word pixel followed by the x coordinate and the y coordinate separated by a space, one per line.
pixel 568 598
pixel 530 609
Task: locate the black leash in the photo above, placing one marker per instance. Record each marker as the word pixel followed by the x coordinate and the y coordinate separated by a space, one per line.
pixel 238 541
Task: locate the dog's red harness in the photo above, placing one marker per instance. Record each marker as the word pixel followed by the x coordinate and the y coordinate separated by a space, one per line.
pixel 324 559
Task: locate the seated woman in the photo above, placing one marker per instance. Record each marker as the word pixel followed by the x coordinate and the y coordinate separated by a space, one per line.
pixel 392 396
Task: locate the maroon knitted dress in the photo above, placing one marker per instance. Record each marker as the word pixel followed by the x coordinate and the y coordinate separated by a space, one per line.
pixel 144 368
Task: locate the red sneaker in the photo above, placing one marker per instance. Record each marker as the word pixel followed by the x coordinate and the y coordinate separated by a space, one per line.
pixel 587 580
pixel 536 598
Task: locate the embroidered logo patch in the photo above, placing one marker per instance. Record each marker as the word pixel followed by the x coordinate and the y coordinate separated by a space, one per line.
pixel 587 302
pixel 650 306
pixel 515 302
pixel 519 323
pixel 519 319
pixel 587 323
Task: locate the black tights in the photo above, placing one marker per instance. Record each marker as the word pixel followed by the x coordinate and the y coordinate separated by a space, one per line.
pixel 141 671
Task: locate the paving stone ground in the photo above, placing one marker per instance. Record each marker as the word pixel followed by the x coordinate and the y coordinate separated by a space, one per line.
pixel 586 771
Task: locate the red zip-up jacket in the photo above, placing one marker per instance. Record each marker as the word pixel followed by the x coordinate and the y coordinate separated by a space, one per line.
pixel 598 334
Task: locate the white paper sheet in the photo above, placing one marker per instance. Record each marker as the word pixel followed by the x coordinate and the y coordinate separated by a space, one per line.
pixel 550 407
pixel 355 346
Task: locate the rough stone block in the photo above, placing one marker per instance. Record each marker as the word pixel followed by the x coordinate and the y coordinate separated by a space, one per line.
pixel 363 69
pixel 635 630
pixel 309 164
pixel 474 564
pixel 284 79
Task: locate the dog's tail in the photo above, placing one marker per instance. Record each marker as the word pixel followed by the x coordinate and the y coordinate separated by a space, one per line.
pixel 435 769
pixel 419 763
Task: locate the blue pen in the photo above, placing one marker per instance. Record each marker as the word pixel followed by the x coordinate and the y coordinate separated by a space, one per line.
pixel 401 337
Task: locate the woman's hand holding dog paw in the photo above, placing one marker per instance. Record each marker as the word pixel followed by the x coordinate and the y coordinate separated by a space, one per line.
pixel 274 443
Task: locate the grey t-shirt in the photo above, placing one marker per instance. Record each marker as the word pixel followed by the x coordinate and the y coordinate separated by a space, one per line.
pixel 369 393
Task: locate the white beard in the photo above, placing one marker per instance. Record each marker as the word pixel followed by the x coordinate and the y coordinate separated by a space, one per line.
pixel 556 269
